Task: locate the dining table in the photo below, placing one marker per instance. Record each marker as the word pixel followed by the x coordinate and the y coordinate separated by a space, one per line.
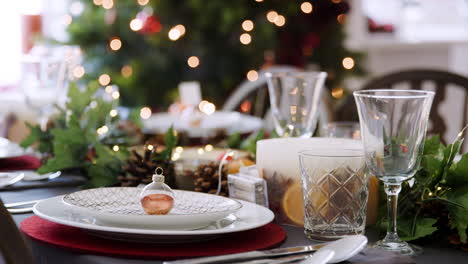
pixel 44 253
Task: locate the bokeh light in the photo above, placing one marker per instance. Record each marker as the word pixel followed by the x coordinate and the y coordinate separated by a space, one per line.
pixel 115 44
pixel 307 7
pixel 104 79
pixel 348 63
pixel 78 71
pixel 143 2
pixel 248 25
pixel 136 24
pixel 126 71
pixel 337 92
pixel 245 38
pixel 193 61
pixel 271 16
pixel 252 75
pixel 145 112
pixel 107 4
pixel 280 21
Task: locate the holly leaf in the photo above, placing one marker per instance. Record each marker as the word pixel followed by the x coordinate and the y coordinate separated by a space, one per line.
pixel 423 227
pixel 432 146
pixel 458 173
pixel 79 100
pixel 234 140
pixel 69 148
pixel 459 214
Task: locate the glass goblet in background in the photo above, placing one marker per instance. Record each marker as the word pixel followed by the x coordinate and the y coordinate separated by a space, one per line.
pixel 294 100
pixel 45 75
pixel 393 129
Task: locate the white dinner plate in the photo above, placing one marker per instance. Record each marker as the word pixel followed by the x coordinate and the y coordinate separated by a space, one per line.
pixel 120 206
pixel 248 217
pixel 9 149
pixel 208 125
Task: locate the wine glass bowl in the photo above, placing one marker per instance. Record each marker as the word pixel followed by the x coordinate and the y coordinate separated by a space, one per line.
pixel 393 129
pixel 294 100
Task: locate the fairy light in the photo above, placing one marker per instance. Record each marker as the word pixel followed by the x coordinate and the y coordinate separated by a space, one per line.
pixel 67 20
pixel 109 89
pixel 209 147
pixel 336 1
pixel 200 151
pixel 97 2
pixel 150 147
pixel 102 130
pixel 104 79
pixel 174 34
pixel 248 25
pixel 337 92
pixel 113 112
pixel 115 95
pixel 193 61
pixel 430 193
pixel 145 112
pixel 245 106
pixel 143 2
pixel 175 156
pixel 136 24
pixel 271 16
pixel 115 148
pixel 179 149
pixel 341 18
pixel 258 1
pixel 245 38
pixel 107 4
pixel 280 21
pixel 181 29
pixel 348 63
pixel 439 188
pixel 78 71
pixel 115 43
pixel 207 108
pixel 307 7
pixel 126 71
pixel 252 75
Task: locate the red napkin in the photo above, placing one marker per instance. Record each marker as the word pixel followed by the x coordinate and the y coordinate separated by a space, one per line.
pixel 78 240
pixel 25 162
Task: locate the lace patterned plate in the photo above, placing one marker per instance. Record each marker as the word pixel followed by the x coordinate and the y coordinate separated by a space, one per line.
pixel 121 206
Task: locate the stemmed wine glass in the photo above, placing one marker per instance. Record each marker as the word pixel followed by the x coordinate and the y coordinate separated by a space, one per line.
pixel 294 100
pixel 393 129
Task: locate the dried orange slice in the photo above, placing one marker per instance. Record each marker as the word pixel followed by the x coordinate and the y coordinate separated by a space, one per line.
pixel 293 205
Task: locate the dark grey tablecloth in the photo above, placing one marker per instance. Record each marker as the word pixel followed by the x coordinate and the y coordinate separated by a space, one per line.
pixel 51 255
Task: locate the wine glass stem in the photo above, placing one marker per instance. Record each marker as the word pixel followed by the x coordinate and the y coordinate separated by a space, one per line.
pixel 392 190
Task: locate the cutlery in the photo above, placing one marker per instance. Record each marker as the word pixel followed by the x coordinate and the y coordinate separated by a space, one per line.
pixel 322 256
pixel 10 205
pixel 343 249
pixel 12 210
pixel 34 176
pixel 11 181
pixel 249 255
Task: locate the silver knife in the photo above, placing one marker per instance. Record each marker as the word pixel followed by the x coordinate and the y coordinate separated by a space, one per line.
pixel 277 252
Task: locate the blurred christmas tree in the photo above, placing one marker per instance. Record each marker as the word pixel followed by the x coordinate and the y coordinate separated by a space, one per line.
pixel 147 47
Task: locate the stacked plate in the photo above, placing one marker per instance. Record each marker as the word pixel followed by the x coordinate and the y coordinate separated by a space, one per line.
pixel 116 213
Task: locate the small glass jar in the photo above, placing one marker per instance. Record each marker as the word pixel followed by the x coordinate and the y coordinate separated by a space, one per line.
pixel 157 198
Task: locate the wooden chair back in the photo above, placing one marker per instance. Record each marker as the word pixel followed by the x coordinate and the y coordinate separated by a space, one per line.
pixel 13 246
pixel 416 79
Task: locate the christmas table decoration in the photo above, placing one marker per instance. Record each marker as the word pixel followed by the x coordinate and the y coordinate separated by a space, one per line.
pixel 433 205
pixel 87 134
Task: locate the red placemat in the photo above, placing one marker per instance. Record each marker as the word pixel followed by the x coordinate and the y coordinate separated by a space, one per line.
pixel 26 162
pixel 75 239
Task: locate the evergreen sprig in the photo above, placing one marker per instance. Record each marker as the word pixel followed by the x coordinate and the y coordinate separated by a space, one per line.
pixel 73 142
pixel 435 202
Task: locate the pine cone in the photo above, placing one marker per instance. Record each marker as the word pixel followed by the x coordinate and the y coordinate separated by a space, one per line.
pixel 139 169
pixel 206 177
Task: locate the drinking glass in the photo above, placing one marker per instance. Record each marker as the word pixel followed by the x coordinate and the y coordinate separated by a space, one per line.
pixel 393 128
pixel 341 130
pixel 45 75
pixel 335 191
pixel 294 100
